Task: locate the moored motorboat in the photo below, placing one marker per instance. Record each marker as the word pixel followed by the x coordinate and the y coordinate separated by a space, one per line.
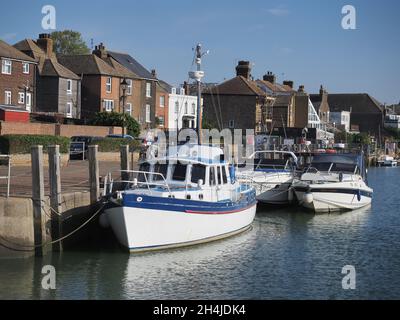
pixel 271 175
pixel 183 199
pixel 334 183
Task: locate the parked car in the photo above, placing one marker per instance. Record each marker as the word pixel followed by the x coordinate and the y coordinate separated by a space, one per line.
pixel 80 145
pixel 120 136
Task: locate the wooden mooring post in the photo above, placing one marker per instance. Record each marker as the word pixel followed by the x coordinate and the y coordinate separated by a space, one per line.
pixel 94 176
pixel 37 198
pixel 55 196
pixel 124 151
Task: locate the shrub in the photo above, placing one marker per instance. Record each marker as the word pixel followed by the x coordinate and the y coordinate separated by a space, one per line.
pixel 22 144
pixel 113 145
pixel 117 120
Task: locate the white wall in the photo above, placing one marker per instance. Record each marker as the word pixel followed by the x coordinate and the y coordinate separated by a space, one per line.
pixel 176 119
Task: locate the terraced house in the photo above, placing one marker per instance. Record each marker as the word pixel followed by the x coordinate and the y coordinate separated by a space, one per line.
pixel 17 78
pixel 58 88
pixel 101 78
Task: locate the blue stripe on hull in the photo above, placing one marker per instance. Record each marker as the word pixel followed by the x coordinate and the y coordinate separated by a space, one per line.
pixel 183 205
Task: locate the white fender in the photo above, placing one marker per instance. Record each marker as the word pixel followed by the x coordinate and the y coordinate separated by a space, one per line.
pixel 308 198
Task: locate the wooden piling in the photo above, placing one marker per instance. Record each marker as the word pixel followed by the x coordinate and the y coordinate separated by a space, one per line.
pixel 37 198
pixel 55 196
pixel 94 177
pixel 124 152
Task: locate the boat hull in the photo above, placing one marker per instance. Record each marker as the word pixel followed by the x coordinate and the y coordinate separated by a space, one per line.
pixel 279 195
pixel 331 200
pixel 145 229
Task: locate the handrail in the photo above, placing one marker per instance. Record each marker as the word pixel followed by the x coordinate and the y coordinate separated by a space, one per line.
pixel 148 181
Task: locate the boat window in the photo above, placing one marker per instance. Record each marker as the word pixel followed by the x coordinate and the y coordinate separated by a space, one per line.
pixel 198 173
pixel 219 174
pixel 162 169
pixel 224 176
pixel 179 172
pixel 343 167
pixel 212 176
pixel 146 168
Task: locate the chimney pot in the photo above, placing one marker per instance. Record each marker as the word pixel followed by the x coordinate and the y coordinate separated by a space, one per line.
pixel 243 69
pixel 289 83
pixel 45 42
pixel 270 77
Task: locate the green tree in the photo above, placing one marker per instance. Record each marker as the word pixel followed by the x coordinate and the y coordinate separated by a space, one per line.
pixel 116 119
pixel 69 42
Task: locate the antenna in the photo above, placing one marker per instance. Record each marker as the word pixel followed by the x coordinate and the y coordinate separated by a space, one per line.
pixel 198 76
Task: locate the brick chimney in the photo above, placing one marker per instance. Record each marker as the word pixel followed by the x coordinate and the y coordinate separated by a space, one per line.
pixel 154 73
pixel 100 51
pixel 243 69
pixel 301 89
pixel 45 42
pixel 186 87
pixel 270 77
pixel 288 83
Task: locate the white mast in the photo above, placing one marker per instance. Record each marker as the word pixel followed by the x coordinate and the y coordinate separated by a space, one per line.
pixel 198 76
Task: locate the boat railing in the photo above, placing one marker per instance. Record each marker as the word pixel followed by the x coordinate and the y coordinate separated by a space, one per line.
pixel 135 182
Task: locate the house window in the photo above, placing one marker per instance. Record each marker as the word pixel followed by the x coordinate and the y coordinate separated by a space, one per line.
pixel 148 90
pixel 231 124
pixel 108 105
pixel 6 66
pixel 7 97
pixel 148 115
pixel 68 110
pixel 129 87
pixel 69 86
pixel 161 121
pixel 162 101
pixel 128 109
pixel 25 68
pixel 177 107
pixel 21 98
pixel 186 108
pixel 109 85
pixel 193 108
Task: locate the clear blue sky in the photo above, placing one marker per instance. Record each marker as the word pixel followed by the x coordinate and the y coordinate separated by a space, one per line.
pixel 301 41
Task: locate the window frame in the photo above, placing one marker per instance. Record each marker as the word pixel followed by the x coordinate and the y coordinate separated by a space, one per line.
pixel 109 85
pixel 148 89
pixel 148 113
pixel 7 97
pixel 21 95
pixel 69 86
pixel 162 98
pixel 107 103
pixel 4 65
pixel 26 68
pixel 68 106
pixel 129 107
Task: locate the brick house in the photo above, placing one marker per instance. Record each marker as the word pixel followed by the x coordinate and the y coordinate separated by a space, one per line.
pixel 145 86
pixel 237 103
pixel 162 104
pixel 101 78
pixel 365 111
pixel 58 88
pixel 17 78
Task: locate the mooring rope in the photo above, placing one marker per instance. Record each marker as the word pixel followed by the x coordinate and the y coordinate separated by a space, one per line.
pixel 33 247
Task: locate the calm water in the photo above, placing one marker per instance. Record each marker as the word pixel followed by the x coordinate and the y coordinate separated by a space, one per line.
pixel 289 254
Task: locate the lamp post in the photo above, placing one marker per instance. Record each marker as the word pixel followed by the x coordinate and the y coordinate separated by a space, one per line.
pixel 124 86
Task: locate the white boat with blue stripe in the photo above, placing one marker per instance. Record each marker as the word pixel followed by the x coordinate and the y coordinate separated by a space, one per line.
pixel 334 182
pixel 189 197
